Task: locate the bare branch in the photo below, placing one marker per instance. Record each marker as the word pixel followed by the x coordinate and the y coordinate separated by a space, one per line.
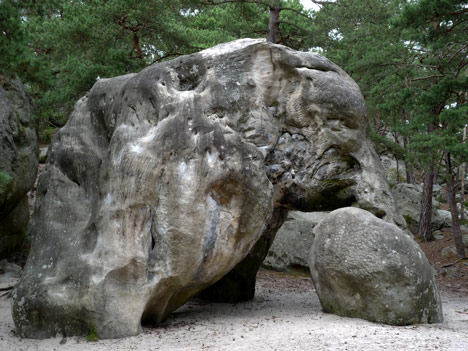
pixel 402 64
pixel 219 2
pixel 322 3
pixel 171 54
pixel 457 52
pixel 460 68
pixel 428 77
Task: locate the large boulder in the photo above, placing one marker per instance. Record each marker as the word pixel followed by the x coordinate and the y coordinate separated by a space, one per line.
pixel 18 163
pixel 367 268
pixel 291 248
pixel 444 218
pixel 163 181
pixel 323 158
pixel 408 199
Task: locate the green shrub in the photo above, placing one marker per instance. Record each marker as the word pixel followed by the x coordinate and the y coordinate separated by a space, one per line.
pixel 408 220
pixel 92 334
pixel 5 179
pixel 46 134
pixel 395 177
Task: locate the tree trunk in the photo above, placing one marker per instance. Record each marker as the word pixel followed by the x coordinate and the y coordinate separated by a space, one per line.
pixel 425 220
pixel 409 175
pixel 397 171
pixel 273 25
pixel 136 43
pixel 451 188
pixel 462 178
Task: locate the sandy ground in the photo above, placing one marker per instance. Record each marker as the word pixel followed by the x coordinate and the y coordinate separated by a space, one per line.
pixel 285 315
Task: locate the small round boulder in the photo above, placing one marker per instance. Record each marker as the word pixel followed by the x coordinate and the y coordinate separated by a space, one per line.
pixel 364 267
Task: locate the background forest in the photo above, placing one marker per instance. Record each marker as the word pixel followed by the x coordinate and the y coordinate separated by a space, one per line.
pixel 409 57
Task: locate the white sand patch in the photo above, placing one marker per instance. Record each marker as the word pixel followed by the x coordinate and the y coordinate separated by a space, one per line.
pixel 285 315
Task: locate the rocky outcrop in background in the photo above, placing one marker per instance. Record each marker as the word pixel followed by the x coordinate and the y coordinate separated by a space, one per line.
pixel 165 181
pixel 18 163
pixel 395 171
pixel 291 248
pixel 408 199
pixel 367 268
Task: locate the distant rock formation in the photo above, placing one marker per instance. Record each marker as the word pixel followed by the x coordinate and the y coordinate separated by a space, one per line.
pixel 408 199
pixel 291 248
pixel 366 268
pixel 18 163
pixel 163 181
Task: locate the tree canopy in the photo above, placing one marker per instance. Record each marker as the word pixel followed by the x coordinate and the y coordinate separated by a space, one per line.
pixel 408 56
pixel 61 47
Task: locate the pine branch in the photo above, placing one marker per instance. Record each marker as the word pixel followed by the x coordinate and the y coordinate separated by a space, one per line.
pixel 296 11
pixel 295 25
pixel 455 13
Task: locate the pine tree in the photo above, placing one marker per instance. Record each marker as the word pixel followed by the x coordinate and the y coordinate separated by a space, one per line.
pixel 438 34
pixel 13 50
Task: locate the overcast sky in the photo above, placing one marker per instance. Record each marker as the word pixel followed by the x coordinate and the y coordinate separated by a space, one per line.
pixel 309 4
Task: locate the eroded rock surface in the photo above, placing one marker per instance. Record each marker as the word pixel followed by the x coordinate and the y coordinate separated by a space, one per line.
pixel 291 248
pixel 18 163
pixel 367 268
pixel 163 181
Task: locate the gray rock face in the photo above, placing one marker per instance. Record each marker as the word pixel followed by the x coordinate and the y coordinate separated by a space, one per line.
pixel 9 275
pixel 239 284
pixel 18 163
pixel 396 172
pixel 408 199
pixel 291 248
pixel 459 210
pixel 366 268
pixel 438 192
pixel 166 179
pixel 443 219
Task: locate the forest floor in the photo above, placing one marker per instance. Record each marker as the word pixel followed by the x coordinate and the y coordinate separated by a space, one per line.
pixel 284 315
pixel 452 273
